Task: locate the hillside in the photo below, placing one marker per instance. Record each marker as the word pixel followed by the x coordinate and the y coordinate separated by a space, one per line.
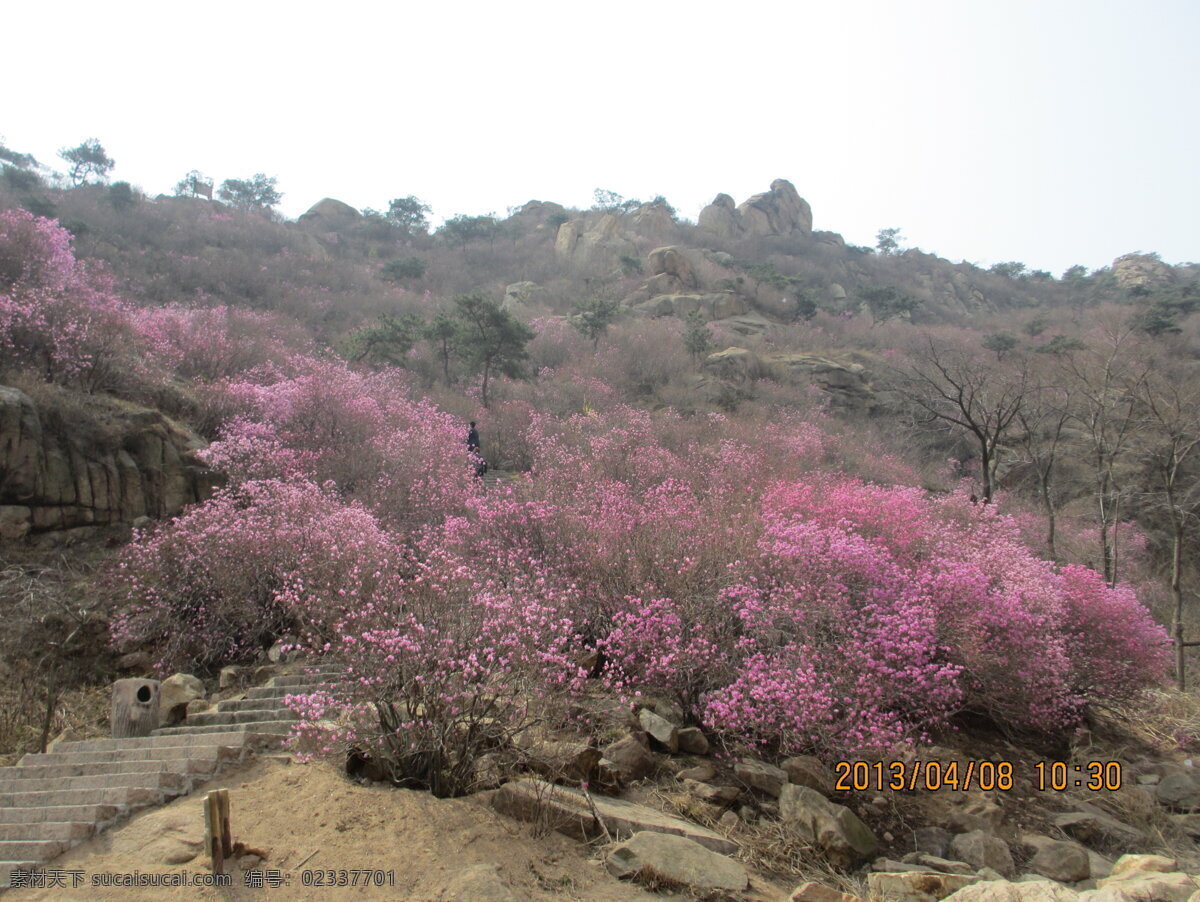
pixel 799 499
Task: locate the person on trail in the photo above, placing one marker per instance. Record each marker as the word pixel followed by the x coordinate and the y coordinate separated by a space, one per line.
pixel 473 438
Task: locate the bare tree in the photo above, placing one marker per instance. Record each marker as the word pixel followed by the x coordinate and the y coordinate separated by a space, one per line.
pixel 966 391
pixel 1104 383
pixel 1042 439
pixel 1170 431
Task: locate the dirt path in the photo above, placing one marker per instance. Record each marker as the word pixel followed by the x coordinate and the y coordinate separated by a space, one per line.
pixel 455 849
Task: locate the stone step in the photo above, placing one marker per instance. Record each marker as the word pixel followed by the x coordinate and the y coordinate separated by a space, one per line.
pixel 222 747
pixel 127 796
pixel 305 680
pixel 136 742
pixel 32 849
pixel 230 718
pixel 193 766
pixel 274 703
pixel 7 868
pixel 159 779
pixel 258 731
pixel 64 831
pixel 94 814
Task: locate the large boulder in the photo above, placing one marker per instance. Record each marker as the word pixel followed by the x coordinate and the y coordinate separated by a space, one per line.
pixel 329 215
pixel 599 244
pixel 1025 891
pixel 540 214
pixel 836 829
pixel 175 693
pixel 982 850
pixel 916 886
pixel 658 857
pixel 672 261
pixel 630 758
pixel 1066 862
pixel 780 211
pixel 721 218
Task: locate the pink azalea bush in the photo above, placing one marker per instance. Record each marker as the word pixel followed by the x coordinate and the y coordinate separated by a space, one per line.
pixel 261 561
pixel 58 317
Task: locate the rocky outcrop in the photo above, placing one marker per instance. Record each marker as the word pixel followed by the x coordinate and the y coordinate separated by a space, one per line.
pixel 677 860
pixel 846 380
pixel 1143 271
pixel 540 214
pixel 721 218
pixel 55 479
pixel 718 305
pixel 520 298
pixel 672 268
pixel 602 243
pixel 780 211
pixel 329 215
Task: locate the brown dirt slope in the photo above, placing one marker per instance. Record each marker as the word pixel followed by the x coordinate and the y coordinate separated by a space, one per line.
pixel 439 849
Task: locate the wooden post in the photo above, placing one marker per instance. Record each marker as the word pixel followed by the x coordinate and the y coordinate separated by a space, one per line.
pixel 218 837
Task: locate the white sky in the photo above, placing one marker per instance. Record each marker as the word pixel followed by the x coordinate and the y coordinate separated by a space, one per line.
pixel 1053 132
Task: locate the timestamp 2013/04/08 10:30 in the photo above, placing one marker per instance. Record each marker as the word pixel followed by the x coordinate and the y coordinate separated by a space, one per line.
pixel 962 776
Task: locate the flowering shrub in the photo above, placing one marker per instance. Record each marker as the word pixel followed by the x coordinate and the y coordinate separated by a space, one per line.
pixel 452 665
pixel 259 561
pixel 57 316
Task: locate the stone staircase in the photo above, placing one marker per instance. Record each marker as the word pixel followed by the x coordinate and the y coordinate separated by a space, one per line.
pixel 50 802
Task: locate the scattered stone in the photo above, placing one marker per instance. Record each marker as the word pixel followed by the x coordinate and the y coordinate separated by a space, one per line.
pixel 480 883
pixel 229 677
pixel 1179 792
pixel 704 772
pixel 198 706
pixel 264 673
pixel 568 811
pixel 277 654
pixel 175 693
pixel 562 760
pixel 1148 779
pixel 937 863
pixel 1142 886
pixel 1066 862
pixel 1093 827
pixel 729 821
pixel 818 892
pixel 913 886
pixel 135 660
pixel 1101 866
pixel 650 857
pixel 661 731
pixel 975 812
pixel 981 850
pixel 716 795
pixel 1127 864
pixel 845 839
pixel 932 840
pixel 761 776
pixel 693 741
pixel 1188 823
pixel 631 760
pixel 1003 891
pixel 805 770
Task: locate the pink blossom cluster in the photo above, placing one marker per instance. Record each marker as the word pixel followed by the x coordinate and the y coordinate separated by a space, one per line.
pixel 261 561
pixel 58 317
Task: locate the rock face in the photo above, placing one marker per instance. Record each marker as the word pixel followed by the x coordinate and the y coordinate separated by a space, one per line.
pixel 675 859
pixel 1142 271
pixel 718 305
pixel 601 244
pixel 519 298
pixel 673 263
pixel 780 211
pixel 329 215
pixel 53 481
pixel 846 381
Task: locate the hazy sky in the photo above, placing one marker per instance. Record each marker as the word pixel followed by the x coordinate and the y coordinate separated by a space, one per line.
pixel 1048 132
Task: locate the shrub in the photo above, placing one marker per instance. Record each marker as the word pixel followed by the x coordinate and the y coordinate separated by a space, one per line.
pixel 261 561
